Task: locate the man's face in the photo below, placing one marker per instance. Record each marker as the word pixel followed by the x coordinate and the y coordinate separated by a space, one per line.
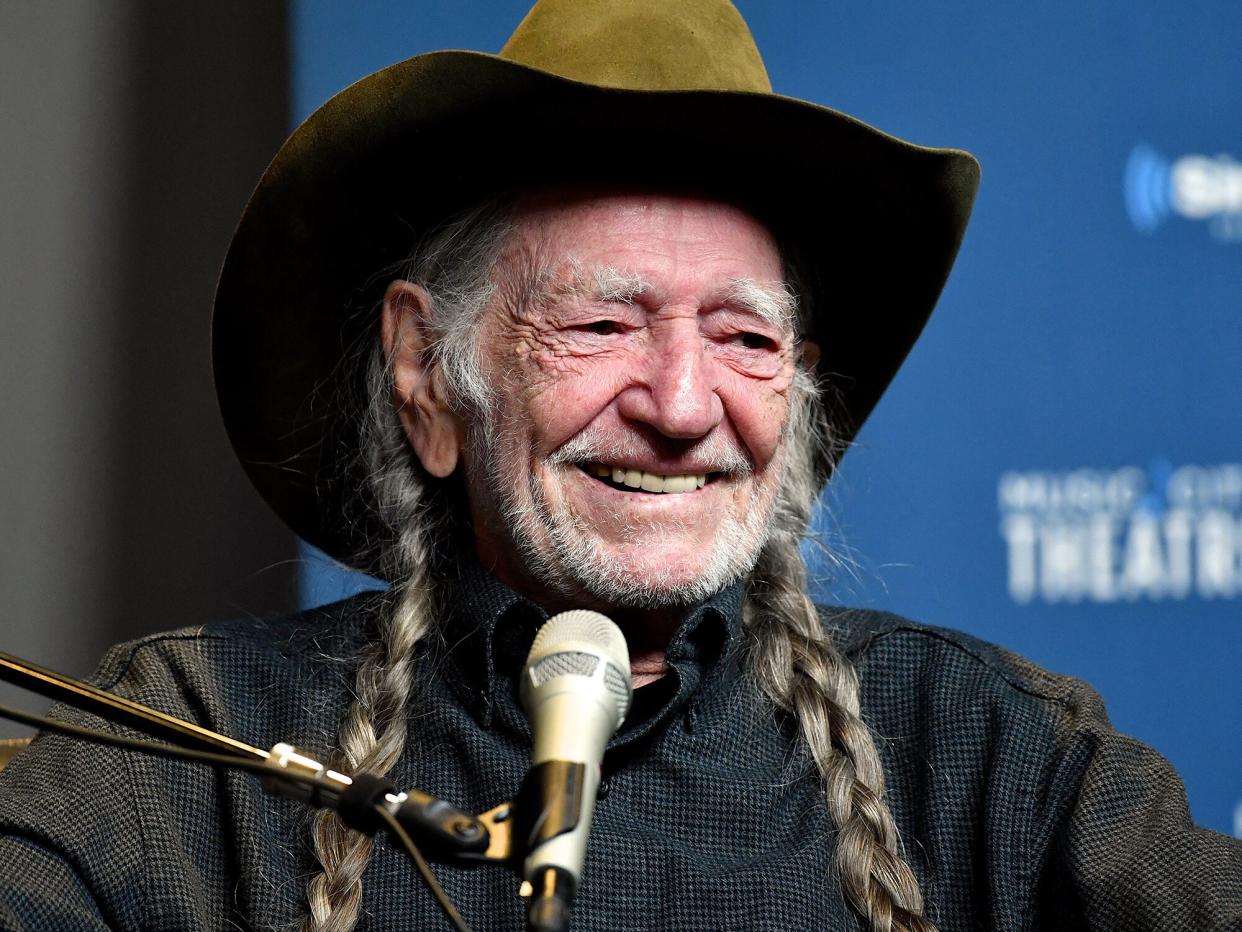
pixel 640 353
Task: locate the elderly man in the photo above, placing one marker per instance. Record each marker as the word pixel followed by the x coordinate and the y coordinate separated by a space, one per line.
pixel 587 325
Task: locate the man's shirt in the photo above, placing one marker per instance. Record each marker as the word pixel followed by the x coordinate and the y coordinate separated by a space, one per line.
pixel 1017 804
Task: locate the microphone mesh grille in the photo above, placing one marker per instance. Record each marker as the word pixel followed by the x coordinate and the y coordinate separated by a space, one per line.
pixel 582 626
pixel 566 662
pixel 618 684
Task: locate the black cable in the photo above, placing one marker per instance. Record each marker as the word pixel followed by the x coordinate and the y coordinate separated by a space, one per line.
pixel 424 868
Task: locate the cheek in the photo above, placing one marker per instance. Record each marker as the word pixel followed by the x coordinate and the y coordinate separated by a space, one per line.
pixel 758 413
pixel 528 387
pixel 564 395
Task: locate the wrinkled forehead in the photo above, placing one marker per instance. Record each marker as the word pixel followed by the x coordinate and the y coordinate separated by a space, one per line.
pixel 638 237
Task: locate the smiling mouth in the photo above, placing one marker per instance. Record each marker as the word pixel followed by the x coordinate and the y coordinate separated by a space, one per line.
pixel 636 480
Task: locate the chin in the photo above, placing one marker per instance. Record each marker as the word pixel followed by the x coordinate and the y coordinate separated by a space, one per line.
pixel 650 578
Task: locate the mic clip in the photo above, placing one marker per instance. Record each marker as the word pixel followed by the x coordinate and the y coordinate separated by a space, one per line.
pixel 444 832
pixel 548 804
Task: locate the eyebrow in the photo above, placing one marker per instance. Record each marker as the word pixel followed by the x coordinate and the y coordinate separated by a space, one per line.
pixel 776 304
pixel 615 285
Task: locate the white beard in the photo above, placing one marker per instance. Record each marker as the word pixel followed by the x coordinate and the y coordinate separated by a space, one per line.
pixel 568 557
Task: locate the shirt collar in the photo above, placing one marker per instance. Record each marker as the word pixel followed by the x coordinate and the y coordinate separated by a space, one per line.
pixel 493 626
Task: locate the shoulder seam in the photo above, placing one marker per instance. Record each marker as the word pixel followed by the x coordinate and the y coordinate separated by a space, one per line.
pixel 193 634
pixel 950 638
pixel 230 631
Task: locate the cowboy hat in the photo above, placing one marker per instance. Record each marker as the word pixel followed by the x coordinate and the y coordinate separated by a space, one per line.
pixel 636 91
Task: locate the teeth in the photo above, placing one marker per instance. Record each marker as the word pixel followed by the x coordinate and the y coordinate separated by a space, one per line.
pixel 649 481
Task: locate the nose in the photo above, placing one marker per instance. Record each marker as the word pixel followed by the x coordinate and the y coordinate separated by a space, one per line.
pixel 675 389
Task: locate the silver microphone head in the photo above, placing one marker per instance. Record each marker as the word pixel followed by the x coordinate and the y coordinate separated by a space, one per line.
pixel 583 646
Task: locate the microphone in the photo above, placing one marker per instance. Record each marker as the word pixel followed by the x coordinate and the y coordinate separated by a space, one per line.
pixel 576 690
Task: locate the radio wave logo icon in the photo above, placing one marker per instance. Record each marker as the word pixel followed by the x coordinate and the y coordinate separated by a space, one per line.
pixel 1148 188
pixel 1200 188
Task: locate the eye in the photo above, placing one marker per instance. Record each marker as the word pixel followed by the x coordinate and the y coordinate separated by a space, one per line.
pixel 603 327
pixel 755 341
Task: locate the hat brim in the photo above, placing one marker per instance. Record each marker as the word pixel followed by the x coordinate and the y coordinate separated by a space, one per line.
pixel 877 220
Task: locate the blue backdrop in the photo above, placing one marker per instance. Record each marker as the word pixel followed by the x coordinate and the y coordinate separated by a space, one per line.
pixel 1058 467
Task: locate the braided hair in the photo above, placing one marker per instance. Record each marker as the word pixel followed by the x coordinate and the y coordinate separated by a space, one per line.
pixel 454 265
pixel 802 672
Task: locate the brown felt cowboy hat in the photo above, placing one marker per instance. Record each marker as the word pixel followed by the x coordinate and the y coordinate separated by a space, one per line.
pixel 626 91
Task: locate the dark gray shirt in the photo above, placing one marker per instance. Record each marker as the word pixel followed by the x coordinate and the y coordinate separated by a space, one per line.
pixel 1019 807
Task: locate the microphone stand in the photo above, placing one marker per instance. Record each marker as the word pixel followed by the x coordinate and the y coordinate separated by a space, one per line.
pixel 545 806
pixel 448 833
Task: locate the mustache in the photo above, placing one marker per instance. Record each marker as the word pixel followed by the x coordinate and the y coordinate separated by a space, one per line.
pixel 715 454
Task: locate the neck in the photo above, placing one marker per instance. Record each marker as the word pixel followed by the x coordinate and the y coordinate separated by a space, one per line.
pixel 647 630
pixel 647 634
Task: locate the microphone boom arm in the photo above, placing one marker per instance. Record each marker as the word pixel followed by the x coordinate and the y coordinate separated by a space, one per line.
pixel 448 833
pixel 117 709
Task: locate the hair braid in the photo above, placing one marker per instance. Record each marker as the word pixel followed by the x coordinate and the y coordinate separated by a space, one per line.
pixel 373 732
pixel 454 264
pixel 799 668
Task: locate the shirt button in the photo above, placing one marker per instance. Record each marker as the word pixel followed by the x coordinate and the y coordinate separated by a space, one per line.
pixel 605 787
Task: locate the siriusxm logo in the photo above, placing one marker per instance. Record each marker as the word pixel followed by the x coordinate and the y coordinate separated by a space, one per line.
pixel 1164 533
pixel 1195 187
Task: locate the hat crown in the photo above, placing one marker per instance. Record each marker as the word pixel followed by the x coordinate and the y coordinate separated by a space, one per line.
pixel 641 45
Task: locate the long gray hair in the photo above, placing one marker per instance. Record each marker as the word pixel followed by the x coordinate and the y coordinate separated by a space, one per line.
pixel 791 657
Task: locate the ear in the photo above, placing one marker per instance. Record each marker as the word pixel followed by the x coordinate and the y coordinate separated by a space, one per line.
pixel 434 430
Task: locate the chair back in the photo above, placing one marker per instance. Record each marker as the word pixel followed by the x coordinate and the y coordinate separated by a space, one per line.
pixel 10 748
